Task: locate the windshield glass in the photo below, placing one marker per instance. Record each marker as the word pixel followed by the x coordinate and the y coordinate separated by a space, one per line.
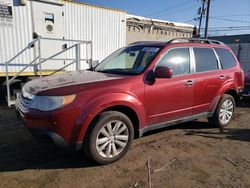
pixel 130 60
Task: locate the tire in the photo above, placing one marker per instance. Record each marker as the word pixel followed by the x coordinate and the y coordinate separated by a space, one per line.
pixel 222 118
pixel 115 132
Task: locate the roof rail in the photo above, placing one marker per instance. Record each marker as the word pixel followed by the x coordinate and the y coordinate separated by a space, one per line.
pixel 141 42
pixel 198 40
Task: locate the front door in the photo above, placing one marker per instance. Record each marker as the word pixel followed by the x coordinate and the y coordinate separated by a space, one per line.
pixel 171 98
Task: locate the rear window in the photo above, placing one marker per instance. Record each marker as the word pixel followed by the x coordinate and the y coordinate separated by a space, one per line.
pixel 205 59
pixel 226 58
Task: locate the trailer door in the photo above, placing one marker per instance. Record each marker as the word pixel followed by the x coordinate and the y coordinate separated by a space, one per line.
pixel 48 22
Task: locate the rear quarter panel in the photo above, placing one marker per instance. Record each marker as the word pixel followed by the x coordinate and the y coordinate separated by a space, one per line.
pixel 230 83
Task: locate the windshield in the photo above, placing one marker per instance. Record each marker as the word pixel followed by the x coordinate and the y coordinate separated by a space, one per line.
pixel 129 60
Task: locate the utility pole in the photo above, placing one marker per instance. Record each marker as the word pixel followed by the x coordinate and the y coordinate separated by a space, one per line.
pixel 207 18
pixel 201 12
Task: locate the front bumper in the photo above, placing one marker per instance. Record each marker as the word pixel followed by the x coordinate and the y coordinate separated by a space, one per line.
pixel 44 135
pixel 48 137
pixel 55 127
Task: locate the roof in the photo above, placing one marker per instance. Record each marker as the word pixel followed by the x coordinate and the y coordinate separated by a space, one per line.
pixel 161 21
pixel 230 39
pixel 88 4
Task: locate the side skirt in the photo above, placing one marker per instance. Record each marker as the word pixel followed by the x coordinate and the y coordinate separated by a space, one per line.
pixel 173 122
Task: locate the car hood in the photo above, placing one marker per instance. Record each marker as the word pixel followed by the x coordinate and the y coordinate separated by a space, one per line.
pixel 71 80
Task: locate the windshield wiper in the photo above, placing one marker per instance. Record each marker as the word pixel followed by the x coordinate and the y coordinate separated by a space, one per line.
pixel 119 71
pixel 102 71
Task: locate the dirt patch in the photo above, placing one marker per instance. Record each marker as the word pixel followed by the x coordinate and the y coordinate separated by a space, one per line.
pixel 203 157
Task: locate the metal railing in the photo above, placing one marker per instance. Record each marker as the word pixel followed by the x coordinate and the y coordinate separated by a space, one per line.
pixel 37 62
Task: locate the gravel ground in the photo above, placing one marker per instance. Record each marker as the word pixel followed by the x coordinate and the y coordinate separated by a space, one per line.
pixel 199 156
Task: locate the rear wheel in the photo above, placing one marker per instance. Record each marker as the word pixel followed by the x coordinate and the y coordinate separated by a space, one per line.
pixel 110 138
pixel 224 112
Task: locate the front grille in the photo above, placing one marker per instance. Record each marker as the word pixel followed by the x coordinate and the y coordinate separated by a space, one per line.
pixel 23 102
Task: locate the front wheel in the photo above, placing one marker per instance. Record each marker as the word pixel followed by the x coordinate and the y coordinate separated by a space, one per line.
pixel 110 138
pixel 224 112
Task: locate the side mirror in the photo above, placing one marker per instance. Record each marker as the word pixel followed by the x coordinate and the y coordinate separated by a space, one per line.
pixel 163 72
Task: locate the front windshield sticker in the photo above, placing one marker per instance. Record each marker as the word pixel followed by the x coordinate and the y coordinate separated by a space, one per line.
pixel 150 49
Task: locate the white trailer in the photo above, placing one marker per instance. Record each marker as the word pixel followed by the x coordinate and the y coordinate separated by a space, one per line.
pixel 42 37
pixel 68 22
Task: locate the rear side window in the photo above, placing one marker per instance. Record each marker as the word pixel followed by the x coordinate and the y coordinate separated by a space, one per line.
pixel 205 59
pixel 226 58
pixel 178 60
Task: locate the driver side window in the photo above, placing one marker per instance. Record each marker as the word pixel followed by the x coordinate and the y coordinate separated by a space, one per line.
pixel 178 60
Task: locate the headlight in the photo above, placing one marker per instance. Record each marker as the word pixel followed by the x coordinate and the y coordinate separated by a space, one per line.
pixel 47 103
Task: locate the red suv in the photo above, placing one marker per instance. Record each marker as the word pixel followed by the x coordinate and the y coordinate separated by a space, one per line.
pixel 144 86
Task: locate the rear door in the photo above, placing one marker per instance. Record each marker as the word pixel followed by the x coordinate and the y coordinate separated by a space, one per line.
pixel 209 78
pixel 171 98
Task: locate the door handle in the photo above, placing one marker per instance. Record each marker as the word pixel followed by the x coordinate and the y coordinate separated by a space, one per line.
pixel 222 77
pixel 189 83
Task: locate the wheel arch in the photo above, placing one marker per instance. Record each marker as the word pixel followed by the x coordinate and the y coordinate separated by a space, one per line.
pixel 234 94
pixel 128 111
pixel 120 102
pixel 132 115
pixel 215 102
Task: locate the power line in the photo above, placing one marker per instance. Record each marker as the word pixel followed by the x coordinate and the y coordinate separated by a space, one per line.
pixel 194 19
pixel 213 30
pixel 232 15
pixel 230 27
pixel 235 28
pixel 166 9
pixel 230 20
pixel 179 10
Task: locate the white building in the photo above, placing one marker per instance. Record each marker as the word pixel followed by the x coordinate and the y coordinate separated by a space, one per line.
pixel 143 29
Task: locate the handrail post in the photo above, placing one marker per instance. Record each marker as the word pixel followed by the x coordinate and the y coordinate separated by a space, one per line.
pixel 91 58
pixel 86 55
pixel 7 83
pixel 39 56
pixel 77 56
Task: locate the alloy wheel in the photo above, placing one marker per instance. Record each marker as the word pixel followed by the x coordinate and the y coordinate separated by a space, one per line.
pixel 226 111
pixel 112 139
